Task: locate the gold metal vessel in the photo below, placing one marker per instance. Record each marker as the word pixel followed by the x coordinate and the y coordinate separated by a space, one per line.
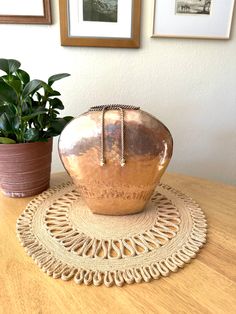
pixel 115 156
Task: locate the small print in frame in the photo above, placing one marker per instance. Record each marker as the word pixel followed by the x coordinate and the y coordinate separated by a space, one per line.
pixel 193 7
pixel 100 10
pixel 100 23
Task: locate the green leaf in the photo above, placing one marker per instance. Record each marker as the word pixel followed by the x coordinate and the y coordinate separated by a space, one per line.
pixel 40 110
pixel 46 87
pixel 58 125
pixel 16 123
pixel 56 103
pixel 32 115
pixel 9 109
pixel 6 140
pixel 2 109
pixel 9 65
pixel 6 123
pixel 42 120
pixel 68 118
pixel 55 112
pixel 23 76
pixel 7 94
pixel 43 139
pixel 56 77
pixel 39 96
pixel 50 133
pixel 54 93
pixel 31 88
pixel 25 108
pixel 34 103
pixel 13 81
pixel 31 135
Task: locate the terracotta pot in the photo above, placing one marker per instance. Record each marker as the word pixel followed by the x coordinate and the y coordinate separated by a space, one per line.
pixel 116 156
pixel 25 168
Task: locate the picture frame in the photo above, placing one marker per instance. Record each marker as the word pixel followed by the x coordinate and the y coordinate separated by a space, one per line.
pixel 104 23
pixel 25 12
pixel 207 19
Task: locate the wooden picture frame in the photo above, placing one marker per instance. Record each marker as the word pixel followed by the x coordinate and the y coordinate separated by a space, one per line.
pixel 76 31
pixel 25 12
pixel 207 19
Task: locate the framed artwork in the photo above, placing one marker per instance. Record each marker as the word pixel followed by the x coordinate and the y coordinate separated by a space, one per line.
pixel 100 23
pixel 25 11
pixel 193 18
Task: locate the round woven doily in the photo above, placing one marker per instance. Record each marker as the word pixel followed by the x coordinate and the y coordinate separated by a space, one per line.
pixel 67 241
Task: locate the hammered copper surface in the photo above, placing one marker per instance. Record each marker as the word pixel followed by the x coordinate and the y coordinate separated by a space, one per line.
pixel 112 189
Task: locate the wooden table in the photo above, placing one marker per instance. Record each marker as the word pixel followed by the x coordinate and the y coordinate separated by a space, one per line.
pixel 207 285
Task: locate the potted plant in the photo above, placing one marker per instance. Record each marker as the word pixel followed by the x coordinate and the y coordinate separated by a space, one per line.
pixel 29 119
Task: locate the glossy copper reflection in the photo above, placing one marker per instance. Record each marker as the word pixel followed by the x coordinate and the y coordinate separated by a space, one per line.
pixel 112 189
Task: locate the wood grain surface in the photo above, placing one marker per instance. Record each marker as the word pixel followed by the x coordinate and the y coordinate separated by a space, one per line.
pixel 207 285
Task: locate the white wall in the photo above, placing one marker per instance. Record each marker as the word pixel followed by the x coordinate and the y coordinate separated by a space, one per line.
pixel 190 85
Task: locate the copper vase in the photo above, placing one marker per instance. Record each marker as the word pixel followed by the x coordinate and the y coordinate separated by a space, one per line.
pixel 115 156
